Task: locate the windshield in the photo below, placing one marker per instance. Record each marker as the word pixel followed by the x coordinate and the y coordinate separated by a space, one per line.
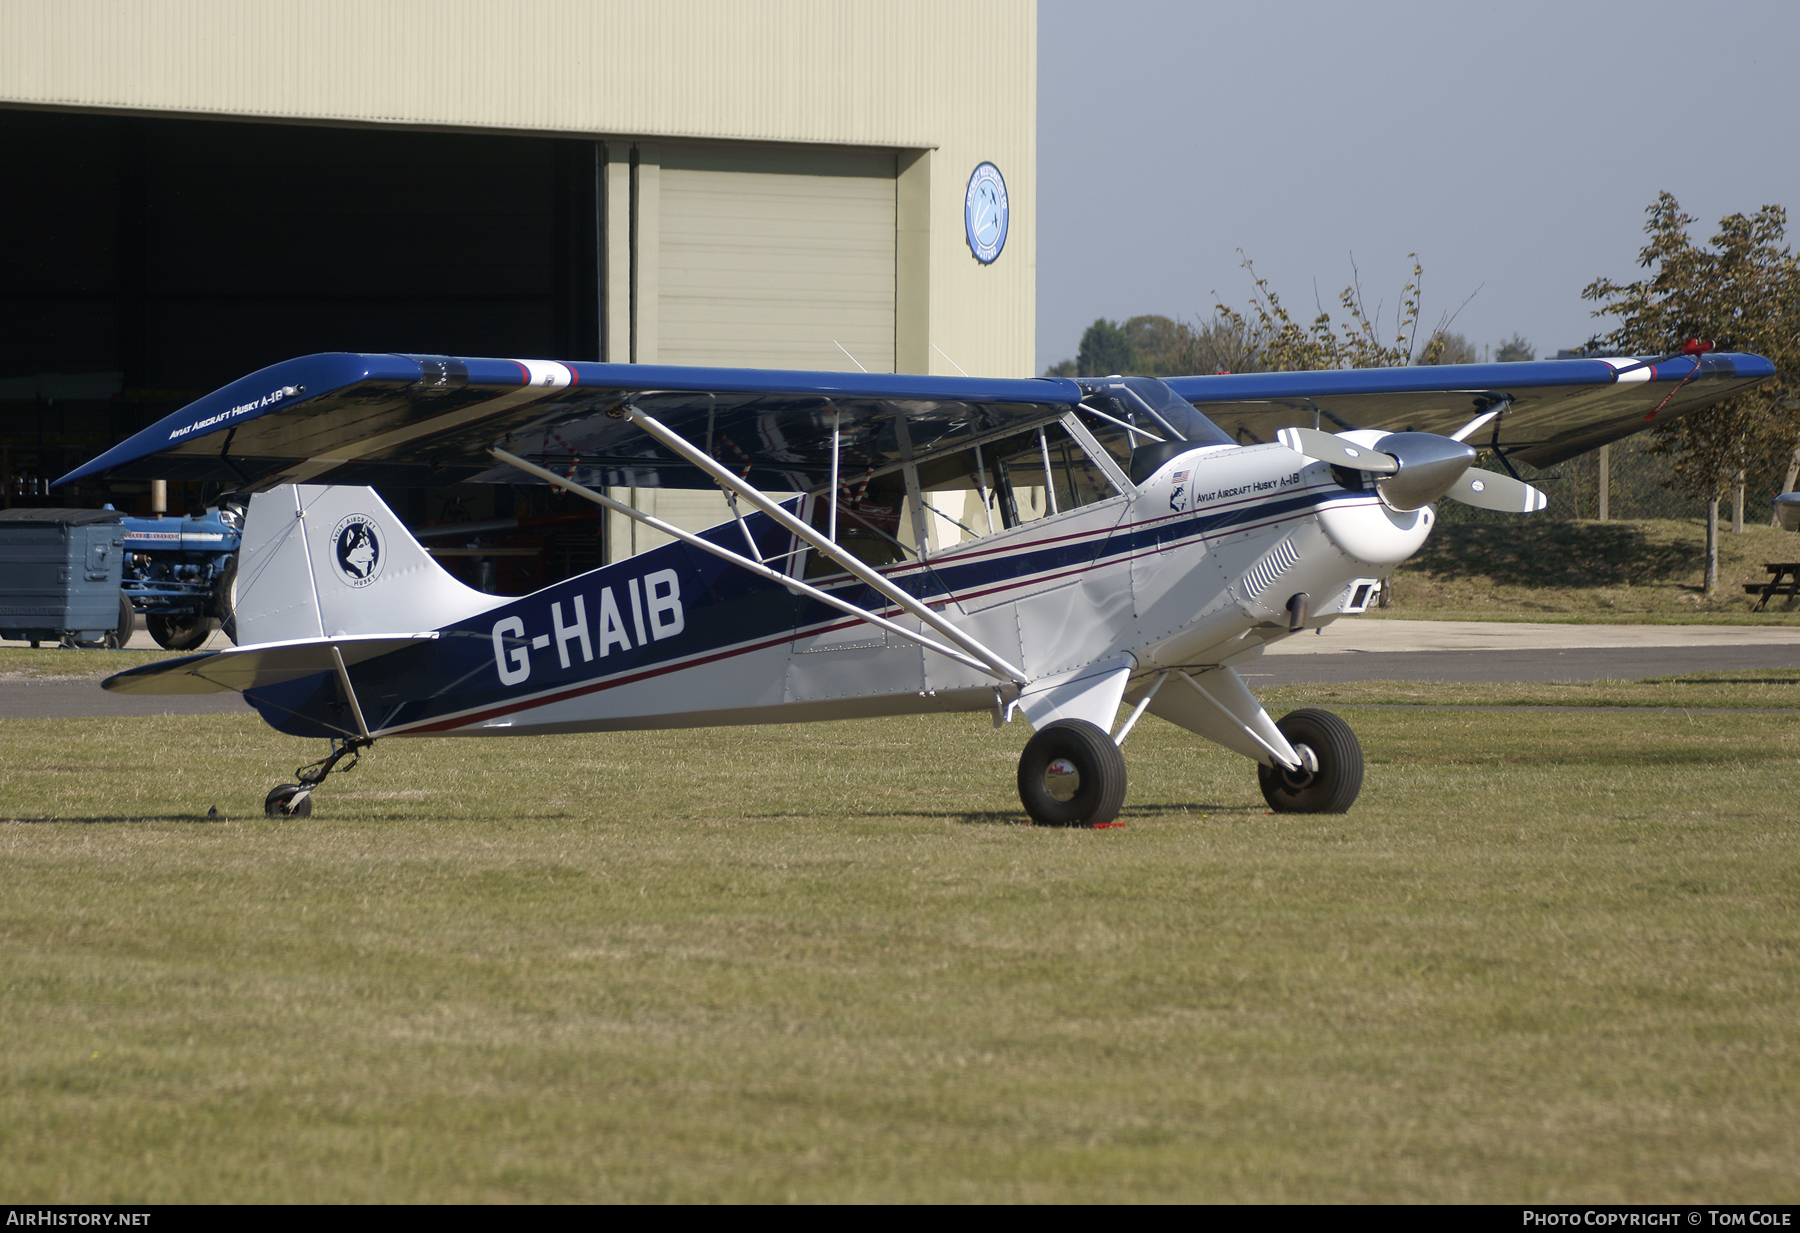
pixel 1145 402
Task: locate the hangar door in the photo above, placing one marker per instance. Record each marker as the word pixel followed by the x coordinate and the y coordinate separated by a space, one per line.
pixel 772 255
pixel 769 256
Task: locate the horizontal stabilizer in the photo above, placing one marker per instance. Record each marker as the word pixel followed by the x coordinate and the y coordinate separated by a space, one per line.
pixel 248 667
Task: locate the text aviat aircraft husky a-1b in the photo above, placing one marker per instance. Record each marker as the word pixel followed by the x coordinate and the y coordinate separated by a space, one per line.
pixel 1044 549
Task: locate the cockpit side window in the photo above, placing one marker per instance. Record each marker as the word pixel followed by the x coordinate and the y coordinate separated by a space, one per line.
pixel 1114 436
pixel 871 524
pixel 1004 483
pixel 966 495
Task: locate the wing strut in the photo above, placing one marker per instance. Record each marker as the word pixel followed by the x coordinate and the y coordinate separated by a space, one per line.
pixel 756 567
pixel 994 664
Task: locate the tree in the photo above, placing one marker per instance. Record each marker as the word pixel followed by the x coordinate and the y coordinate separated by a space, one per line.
pixel 1105 350
pixel 1741 293
pixel 1514 350
pixel 1155 340
pixel 1282 344
pixel 1449 349
pixel 1170 347
pixel 1264 338
pixel 1216 346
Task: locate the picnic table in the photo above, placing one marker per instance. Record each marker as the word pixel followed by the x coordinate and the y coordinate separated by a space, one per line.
pixel 1778 571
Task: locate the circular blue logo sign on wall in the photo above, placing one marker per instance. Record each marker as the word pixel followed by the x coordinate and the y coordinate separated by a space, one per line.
pixel 985 213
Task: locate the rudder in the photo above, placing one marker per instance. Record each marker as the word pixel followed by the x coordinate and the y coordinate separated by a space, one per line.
pixel 320 560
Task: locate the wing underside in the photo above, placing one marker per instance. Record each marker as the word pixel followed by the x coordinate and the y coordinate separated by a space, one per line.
pixel 429 421
pixel 1550 410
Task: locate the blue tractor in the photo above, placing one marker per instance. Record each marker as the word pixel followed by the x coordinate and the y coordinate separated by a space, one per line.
pixel 181 573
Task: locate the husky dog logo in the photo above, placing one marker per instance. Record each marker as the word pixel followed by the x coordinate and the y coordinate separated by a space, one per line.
pixel 356 550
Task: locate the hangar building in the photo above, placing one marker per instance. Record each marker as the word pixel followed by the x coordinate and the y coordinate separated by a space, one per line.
pixel 198 188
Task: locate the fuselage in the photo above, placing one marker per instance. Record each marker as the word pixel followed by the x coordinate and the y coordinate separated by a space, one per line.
pixel 1196 567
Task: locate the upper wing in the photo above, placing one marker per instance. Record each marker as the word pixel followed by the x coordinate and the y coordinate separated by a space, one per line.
pixel 429 420
pixel 1554 409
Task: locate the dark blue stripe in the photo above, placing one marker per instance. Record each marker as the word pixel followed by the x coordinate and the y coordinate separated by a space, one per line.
pixel 724 606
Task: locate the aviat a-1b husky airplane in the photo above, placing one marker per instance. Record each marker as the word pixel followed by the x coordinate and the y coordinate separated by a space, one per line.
pixel 1044 549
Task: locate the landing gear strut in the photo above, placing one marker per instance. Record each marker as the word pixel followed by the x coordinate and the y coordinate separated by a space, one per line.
pixel 294 800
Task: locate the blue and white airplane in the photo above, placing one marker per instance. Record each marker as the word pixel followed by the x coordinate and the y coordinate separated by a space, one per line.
pixel 1041 549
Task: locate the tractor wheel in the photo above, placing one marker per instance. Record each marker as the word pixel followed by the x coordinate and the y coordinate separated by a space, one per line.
pixel 127 621
pixel 182 631
pixel 224 600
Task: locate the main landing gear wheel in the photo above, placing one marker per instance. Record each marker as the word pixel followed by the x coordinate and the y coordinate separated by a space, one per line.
pixel 1331 771
pixel 1071 774
pixel 181 632
pixel 286 801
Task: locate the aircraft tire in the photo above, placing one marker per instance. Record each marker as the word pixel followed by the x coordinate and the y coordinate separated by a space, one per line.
pixel 1330 789
pixel 276 805
pixel 1097 766
pixel 182 632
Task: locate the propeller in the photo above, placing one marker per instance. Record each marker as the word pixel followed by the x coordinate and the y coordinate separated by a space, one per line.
pixel 1337 451
pixel 1492 490
pixel 1413 469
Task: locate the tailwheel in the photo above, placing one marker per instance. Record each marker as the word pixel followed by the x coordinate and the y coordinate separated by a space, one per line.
pixel 294 800
pixel 288 800
pixel 1071 774
pixel 1331 766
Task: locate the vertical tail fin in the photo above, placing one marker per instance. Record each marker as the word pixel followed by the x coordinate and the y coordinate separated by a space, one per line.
pixel 321 560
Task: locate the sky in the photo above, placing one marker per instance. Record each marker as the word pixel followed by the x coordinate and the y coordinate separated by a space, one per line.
pixel 1513 147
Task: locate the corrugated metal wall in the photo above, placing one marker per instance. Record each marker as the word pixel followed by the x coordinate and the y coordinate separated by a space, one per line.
pixel 958 78
pixel 777 70
pixel 775 257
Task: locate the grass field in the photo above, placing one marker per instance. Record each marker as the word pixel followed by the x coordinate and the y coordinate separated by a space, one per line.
pixel 1551 955
pixel 1543 569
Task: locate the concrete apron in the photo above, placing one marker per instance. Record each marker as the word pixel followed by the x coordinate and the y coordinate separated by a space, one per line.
pixel 1364 635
